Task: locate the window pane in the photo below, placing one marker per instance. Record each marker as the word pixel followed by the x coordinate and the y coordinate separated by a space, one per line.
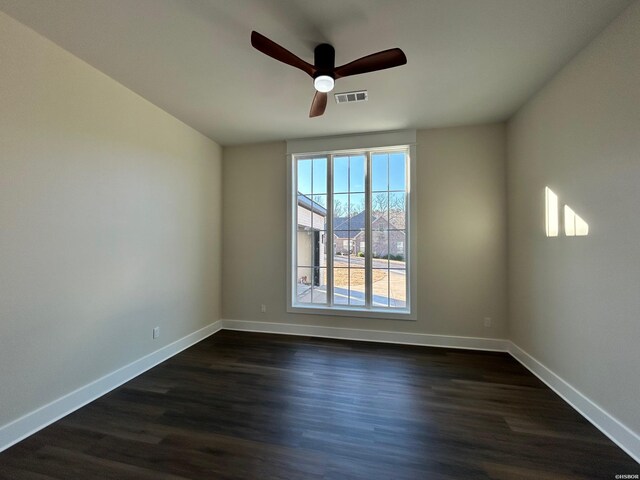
pixel 341 246
pixel 319 248
pixel 356 173
pixel 340 174
pixel 319 176
pixel 303 212
pixel 340 285
pixel 397 171
pixel 321 203
pixel 340 211
pixel 397 252
pixel 397 211
pixel 357 249
pixel 356 211
pixel 379 207
pixel 303 284
pixel 380 287
pixel 356 286
pixel 398 288
pixel 379 172
pixel 319 212
pixel 319 285
pixel 380 248
pixel 304 176
pixel 304 239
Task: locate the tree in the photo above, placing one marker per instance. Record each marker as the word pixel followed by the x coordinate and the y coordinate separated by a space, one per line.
pixel 396 202
pixel 356 208
pixel 339 209
pixel 379 203
pixel 320 200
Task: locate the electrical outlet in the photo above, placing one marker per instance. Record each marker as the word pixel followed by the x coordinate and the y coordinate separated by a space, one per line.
pixel 156 332
pixel 487 321
pixel 263 308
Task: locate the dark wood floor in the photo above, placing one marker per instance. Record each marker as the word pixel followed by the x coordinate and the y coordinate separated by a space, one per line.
pixel 255 406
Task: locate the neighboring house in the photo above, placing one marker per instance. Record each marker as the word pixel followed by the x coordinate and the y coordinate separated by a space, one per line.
pixel 349 235
pixel 311 241
pixel 343 238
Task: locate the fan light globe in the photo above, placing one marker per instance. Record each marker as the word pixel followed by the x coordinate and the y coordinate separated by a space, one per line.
pixel 323 83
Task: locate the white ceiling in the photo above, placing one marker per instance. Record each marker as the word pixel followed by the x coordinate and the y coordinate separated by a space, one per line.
pixel 469 61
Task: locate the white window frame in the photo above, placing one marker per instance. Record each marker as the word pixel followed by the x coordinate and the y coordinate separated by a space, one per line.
pixel 332 146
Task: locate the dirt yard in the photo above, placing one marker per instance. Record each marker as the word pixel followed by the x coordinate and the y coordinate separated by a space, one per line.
pixel 391 285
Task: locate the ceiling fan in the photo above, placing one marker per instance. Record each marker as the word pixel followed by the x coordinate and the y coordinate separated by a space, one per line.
pixel 323 71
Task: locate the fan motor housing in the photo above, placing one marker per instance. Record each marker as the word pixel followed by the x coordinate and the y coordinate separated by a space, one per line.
pixel 324 57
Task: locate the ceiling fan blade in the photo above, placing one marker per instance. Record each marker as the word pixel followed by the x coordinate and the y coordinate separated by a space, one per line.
pixel 372 63
pixel 318 105
pixel 273 50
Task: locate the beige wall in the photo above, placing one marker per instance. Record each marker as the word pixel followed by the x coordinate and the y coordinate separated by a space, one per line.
pixel 461 235
pixel 110 224
pixel 575 302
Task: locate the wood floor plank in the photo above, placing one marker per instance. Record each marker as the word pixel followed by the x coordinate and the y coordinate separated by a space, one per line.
pixel 255 406
pixel 9 473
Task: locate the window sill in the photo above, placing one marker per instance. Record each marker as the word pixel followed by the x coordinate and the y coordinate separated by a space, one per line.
pixel 354 312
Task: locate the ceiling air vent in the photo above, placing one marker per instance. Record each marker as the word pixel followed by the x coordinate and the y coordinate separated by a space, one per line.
pixel 350 97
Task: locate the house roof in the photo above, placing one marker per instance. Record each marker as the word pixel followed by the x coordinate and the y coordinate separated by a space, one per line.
pixel 349 230
pixel 354 224
pixel 339 221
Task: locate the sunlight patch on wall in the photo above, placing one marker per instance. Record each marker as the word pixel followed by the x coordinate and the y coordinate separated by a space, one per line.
pixel 551 212
pixel 574 225
pixel 569 222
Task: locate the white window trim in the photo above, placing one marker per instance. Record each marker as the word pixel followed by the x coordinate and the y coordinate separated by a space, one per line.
pixel 345 144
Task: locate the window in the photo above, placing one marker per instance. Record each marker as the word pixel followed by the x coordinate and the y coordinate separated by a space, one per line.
pixel 361 200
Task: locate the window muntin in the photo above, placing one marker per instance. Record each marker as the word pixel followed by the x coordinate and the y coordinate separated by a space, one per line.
pixel 360 201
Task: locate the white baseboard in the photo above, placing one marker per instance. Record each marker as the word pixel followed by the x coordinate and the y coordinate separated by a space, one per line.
pixel 619 433
pixel 38 419
pixel 382 336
